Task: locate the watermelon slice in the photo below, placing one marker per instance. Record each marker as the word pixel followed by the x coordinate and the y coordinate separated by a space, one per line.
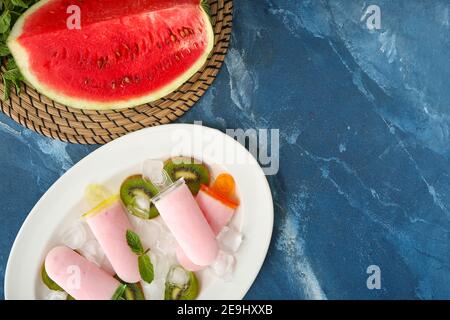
pixel 126 53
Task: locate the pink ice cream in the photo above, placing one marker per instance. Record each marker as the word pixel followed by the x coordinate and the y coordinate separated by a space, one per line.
pixel 109 225
pixel 183 217
pixel 218 214
pixel 79 277
pixel 186 263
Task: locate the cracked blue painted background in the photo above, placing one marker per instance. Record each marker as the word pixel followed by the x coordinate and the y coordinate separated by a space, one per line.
pixel 364 119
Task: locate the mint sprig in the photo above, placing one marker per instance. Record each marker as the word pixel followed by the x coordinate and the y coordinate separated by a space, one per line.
pixel 146 268
pixel 144 262
pixel 11 11
pixel 134 242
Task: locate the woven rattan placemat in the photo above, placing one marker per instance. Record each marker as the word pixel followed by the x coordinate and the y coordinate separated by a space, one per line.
pixel 41 114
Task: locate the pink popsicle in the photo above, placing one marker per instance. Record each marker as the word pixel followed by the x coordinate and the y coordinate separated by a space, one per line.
pixel 184 261
pixel 79 277
pixel 218 216
pixel 109 223
pixel 183 217
pixel 216 212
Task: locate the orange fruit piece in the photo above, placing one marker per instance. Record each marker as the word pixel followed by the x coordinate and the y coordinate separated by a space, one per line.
pixel 224 185
pixel 218 196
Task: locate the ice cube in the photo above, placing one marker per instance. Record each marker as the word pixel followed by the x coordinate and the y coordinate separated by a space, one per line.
pixel 178 276
pixel 150 232
pixel 56 295
pixel 75 236
pixel 223 266
pixel 161 265
pixel 136 222
pixel 153 170
pixel 92 251
pixel 166 244
pixel 142 202
pixel 154 290
pixel 229 239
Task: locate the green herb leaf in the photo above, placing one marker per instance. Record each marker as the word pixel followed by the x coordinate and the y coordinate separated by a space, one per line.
pixel 4 50
pixel 5 21
pixel 11 64
pixel 206 7
pixel 11 10
pixel 146 268
pixel 134 242
pixel 12 74
pixel 119 292
pixel 7 84
pixel 19 3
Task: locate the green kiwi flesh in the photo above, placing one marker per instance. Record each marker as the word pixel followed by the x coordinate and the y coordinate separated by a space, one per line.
pixel 192 171
pixel 187 292
pixel 49 282
pixel 134 188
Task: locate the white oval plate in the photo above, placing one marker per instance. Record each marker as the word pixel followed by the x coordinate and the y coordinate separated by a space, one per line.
pixel 114 161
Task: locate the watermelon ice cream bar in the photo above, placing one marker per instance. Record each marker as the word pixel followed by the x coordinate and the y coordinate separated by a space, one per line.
pixel 109 224
pixel 111 54
pixel 183 217
pixel 79 277
pixel 218 209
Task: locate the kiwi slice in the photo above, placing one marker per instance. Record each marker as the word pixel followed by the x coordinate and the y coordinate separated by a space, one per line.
pixel 180 291
pixel 194 172
pixel 136 193
pixel 52 285
pixel 134 292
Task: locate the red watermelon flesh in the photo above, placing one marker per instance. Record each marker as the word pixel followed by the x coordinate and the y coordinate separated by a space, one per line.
pixel 126 53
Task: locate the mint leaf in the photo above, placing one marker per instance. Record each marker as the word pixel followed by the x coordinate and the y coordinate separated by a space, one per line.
pixel 7 88
pixel 119 292
pixel 134 242
pixel 145 265
pixel 5 21
pixel 10 64
pixel 19 3
pixel 4 50
pixel 10 11
pixel 146 268
pixel 12 74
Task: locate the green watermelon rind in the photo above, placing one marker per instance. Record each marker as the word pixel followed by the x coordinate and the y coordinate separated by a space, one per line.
pixel 21 57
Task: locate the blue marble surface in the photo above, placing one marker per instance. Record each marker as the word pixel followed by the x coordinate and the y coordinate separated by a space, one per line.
pixel 364 119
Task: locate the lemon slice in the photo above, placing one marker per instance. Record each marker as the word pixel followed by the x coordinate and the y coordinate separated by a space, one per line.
pixel 102 205
pixel 98 197
pixel 96 193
